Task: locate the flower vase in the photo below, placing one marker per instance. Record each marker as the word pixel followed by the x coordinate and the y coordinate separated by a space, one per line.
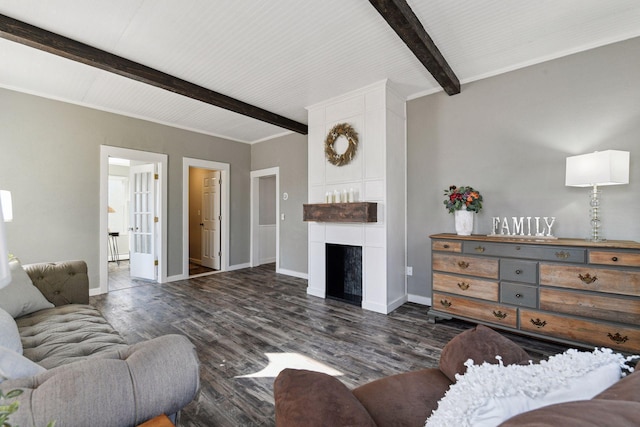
pixel 464 222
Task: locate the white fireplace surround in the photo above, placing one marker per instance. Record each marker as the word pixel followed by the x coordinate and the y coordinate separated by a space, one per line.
pixel 377 174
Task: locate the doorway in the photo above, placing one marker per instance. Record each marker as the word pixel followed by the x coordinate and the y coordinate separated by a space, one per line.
pixel 204 221
pixel 142 208
pixel 265 217
pixel 205 217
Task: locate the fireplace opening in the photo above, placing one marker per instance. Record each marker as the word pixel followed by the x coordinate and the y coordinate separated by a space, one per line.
pixel 344 273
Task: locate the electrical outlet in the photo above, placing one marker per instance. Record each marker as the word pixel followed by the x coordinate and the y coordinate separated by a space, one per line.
pixel 409 271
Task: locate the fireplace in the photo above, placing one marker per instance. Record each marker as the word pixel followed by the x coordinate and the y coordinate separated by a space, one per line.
pixel 344 273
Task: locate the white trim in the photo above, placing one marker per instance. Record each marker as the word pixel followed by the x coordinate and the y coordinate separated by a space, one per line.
pixel 254 258
pixel 239 266
pixel 176 278
pixel 419 299
pixel 294 273
pixel 95 291
pixel 267 138
pixel 225 176
pixel 143 156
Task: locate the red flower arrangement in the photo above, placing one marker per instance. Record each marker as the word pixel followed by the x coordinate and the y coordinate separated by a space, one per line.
pixel 458 198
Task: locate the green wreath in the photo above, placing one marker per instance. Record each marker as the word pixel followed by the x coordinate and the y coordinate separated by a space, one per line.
pixel 342 129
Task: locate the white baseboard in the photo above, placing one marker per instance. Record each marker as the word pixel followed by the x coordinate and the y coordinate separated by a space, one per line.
pixel 177 277
pixel 95 291
pixel 268 260
pixel 320 293
pixel 419 299
pixel 293 273
pixel 195 261
pixel 238 266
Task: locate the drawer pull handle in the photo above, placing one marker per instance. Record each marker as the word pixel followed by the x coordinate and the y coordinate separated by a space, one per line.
pixel 562 255
pixel 539 323
pixel 463 286
pixel 499 314
pixel 480 249
pixel 518 295
pixel 614 259
pixel 445 303
pixel 517 248
pixel 617 338
pixel 587 278
pixel 518 271
pixel 463 265
pixel 446 246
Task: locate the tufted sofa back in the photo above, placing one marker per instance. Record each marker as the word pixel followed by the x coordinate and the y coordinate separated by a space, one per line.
pixel 61 282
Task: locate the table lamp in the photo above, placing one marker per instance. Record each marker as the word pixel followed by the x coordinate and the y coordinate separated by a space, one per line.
pixel 6 215
pixel 610 167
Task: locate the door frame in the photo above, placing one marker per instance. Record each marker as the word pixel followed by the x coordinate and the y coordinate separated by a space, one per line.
pixel 255 214
pixel 161 160
pixel 225 176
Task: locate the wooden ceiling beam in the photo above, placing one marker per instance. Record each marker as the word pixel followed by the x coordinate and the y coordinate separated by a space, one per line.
pixel 406 24
pixel 29 35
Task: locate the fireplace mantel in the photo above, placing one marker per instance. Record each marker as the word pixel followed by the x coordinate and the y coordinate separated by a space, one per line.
pixel 341 212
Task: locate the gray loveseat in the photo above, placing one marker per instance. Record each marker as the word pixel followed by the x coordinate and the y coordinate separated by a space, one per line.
pixel 91 376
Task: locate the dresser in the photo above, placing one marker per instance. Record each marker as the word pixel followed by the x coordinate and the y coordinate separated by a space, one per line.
pixel 568 290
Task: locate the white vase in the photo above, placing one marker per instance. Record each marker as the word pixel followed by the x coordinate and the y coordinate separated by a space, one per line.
pixel 464 222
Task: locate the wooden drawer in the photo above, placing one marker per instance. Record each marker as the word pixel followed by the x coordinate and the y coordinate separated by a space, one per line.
pixel 624 338
pixel 516 270
pixel 623 310
pixel 476 288
pixel 446 246
pixel 473 266
pixel 519 294
pixel 626 259
pixel 473 309
pixel 509 250
pixel 622 282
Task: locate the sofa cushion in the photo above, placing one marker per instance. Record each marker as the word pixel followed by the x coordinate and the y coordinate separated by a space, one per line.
pixel 481 344
pixel 20 297
pixel 586 413
pixel 489 394
pixel 14 365
pixel 66 334
pixel 9 335
pixel 405 399
pixel 308 398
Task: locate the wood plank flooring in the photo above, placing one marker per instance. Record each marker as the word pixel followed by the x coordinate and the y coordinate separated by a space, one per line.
pixel 234 318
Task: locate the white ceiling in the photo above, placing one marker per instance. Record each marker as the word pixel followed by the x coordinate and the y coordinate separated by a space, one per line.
pixel 285 55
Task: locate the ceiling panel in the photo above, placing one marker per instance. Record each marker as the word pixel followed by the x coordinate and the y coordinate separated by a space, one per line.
pixel 285 55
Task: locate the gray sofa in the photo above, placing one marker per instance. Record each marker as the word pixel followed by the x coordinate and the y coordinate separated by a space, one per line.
pixel 91 376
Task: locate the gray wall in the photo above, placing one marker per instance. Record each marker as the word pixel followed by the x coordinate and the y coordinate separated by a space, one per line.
pixel 50 160
pixel 508 136
pixel 290 154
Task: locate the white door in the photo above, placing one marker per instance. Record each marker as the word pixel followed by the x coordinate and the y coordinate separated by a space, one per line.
pixel 142 246
pixel 211 220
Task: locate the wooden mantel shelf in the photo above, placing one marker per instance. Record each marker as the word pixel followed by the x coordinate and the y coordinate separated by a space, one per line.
pixel 341 212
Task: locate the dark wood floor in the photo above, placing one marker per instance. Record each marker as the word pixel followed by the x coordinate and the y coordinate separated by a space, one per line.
pixel 235 318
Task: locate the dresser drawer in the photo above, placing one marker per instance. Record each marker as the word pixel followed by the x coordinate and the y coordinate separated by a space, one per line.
pixel 466 286
pixel 518 294
pixel 626 259
pixel 624 338
pixel 623 310
pixel 510 250
pixel 446 246
pixel 519 271
pixel 472 309
pixel 473 266
pixel 588 278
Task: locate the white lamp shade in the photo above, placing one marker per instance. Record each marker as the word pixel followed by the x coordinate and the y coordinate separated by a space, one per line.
pixel 6 214
pixel 7 207
pixel 609 167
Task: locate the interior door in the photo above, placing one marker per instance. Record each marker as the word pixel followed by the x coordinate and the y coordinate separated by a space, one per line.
pixel 211 220
pixel 142 226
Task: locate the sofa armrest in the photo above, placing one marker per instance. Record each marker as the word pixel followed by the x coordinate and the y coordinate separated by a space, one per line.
pixel 314 399
pixel 125 388
pixel 61 283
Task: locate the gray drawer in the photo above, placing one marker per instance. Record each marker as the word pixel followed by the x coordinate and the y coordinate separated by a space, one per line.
pixel 517 294
pixel 516 250
pixel 516 270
